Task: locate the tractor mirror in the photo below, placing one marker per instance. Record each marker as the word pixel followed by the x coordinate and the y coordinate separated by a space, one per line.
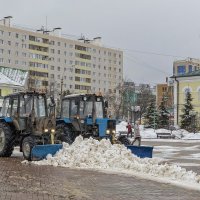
pixel 106 104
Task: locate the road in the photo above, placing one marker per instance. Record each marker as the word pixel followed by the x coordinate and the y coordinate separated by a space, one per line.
pixel 20 181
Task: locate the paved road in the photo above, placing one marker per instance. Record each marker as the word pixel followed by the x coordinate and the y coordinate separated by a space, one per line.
pixel 30 182
pixel 185 153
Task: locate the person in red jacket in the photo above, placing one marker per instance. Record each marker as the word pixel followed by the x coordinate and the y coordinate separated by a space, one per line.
pixel 129 127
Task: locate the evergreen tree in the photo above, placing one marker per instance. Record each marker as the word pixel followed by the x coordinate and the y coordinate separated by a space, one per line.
pixel 186 118
pixel 163 114
pixel 152 115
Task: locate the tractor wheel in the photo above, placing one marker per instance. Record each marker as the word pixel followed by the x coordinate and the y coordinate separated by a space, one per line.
pixel 124 140
pixel 64 134
pixel 27 144
pixel 6 140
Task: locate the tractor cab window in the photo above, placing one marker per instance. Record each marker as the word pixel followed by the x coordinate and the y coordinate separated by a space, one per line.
pixel 6 107
pixel 65 109
pixel 39 102
pixel 81 109
pixel 14 107
pixel 88 108
pixel 26 103
pixel 99 109
pixel 74 108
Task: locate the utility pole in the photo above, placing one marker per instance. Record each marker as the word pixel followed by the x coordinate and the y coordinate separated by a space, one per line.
pixel 154 120
pixel 61 89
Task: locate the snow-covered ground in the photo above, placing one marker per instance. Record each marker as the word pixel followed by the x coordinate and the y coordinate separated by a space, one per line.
pixel 102 155
pixel 149 133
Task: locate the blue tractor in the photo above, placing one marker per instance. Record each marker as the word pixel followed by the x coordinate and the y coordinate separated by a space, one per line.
pixel 86 115
pixel 25 122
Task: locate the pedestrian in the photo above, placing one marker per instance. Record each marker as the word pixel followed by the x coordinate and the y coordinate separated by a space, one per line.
pixel 137 135
pixel 129 127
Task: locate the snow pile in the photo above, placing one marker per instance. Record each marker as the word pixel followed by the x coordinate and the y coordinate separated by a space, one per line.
pixel 191 136
pixel 102 155
pixel 150 133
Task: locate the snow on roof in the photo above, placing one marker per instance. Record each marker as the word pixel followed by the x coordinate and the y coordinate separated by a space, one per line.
pixel 7 81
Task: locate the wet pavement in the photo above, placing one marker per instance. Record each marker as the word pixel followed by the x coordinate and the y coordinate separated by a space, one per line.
pixel 24 182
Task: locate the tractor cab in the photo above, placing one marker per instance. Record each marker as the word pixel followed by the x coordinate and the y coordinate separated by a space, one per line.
pixel 25 110
pixel 85 114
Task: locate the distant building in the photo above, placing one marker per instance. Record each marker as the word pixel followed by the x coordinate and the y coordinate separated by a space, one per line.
pixel 55 61
pixel 182 84
pixel 164 92
pixel 185 66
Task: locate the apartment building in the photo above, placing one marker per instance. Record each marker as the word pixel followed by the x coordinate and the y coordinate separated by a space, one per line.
pixel 188 65
pixel 57 63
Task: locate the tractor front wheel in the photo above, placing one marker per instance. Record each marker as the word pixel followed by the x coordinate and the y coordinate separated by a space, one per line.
pixel 27 146
pixel 6 140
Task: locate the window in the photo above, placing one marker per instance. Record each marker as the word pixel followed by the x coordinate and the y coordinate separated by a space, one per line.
pixel 58 51
pixel 52 50
pixel 6 108
pixel 1 41
pixel 52 75
pixel 52 67
pixel 1 60
pixel 16 44
pixel 9 43
pixel 58 68
pixel 1 32
pixel 1 51
pixel 186 91
pixel 181 69
pixel 17 35
pixel 65 109
pixel 74 108
pixel 58 43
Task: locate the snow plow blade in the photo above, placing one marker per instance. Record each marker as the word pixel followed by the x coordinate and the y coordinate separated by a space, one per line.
pixel 141 151
pixel 40 152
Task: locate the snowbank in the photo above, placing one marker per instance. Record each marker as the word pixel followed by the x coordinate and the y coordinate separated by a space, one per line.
pixel 102 155
pixel 150 133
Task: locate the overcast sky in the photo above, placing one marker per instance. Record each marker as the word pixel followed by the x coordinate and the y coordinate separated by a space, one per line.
pixel 168 27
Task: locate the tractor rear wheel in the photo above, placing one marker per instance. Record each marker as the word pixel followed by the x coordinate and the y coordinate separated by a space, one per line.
pixel 6 140
pixel 64 134
pixel 124 140
pixel 27 145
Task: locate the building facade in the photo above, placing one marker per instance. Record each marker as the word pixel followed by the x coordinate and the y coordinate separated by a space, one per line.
pixel 182 84
pixel 185 66
pixel 164 92
pixel 56 63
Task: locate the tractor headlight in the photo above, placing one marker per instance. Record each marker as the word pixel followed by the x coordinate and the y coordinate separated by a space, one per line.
pixel 107 131
pixel 46 130
pixel 113 131
pixel 53 130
